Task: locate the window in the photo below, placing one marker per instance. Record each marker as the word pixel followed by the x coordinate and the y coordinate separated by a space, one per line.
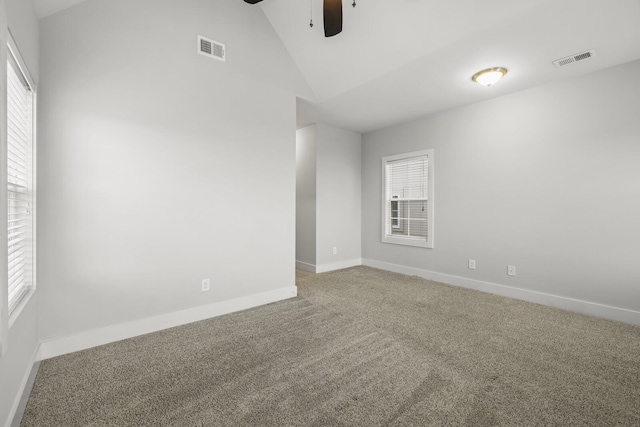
pixel 20 179
pixel 407 202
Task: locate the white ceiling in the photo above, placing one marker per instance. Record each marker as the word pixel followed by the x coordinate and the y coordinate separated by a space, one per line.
pixel 402 59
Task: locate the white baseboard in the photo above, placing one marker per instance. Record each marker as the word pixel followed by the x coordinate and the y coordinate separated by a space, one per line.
pixel 306 266
pixel 85 340
pixel 23 384
pixel 323 268
pixel 578 306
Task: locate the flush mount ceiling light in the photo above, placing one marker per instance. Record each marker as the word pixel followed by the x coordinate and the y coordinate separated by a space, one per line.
pixel 489 76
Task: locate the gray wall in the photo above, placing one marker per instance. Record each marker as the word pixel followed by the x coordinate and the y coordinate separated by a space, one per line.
pixel 306 197
pixel 328 198
pixel 338 215
pixel 546 179
pixel 160 167
pixel 20 340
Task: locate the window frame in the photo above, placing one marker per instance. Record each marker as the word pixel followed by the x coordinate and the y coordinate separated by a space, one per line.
pixel 388 198
pixel 13 51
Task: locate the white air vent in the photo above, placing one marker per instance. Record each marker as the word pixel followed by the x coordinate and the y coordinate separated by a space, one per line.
pixel 574 58
pixel 211 48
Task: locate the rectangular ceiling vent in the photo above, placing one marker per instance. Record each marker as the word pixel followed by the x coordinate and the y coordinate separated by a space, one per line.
pixel 212 48
pixel 574 58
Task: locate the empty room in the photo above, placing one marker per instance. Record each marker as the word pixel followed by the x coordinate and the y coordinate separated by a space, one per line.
pixel 320 212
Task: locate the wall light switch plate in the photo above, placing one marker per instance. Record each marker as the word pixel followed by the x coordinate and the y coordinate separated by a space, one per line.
pixel 472 264
pixel 511 270
pixel 206 285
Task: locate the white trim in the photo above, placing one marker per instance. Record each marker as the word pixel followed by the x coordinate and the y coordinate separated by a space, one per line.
pixel 15 52
pixel 323 268
pixel 109 334
pixel 305 266
pixel 564 303
pixel 23 384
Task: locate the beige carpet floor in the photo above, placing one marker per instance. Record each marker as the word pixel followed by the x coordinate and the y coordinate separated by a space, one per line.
pixel 357 347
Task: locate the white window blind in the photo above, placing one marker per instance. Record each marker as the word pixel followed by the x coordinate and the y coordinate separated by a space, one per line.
pixel 408 204
pixel 19 183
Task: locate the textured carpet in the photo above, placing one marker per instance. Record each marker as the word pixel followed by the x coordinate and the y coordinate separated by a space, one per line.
pixel 357 347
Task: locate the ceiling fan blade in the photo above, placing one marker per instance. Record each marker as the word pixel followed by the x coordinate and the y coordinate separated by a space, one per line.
pixel 253 1
pixel 332 17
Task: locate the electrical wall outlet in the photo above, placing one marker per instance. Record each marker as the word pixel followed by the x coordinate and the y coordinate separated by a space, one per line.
pixel 511 270
pixel 206 285
pixel 472 264
pixel 335 250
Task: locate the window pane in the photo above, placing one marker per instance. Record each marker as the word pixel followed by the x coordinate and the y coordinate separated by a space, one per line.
pixel 412 220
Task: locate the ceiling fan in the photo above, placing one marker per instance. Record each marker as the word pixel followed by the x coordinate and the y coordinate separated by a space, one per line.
pixel 332 16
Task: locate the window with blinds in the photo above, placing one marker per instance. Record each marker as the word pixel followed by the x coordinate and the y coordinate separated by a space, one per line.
pixel 20 130
pixel 408 199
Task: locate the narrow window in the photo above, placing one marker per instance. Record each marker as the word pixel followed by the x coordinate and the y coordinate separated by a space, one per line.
pixel 408 199
pixel 20 201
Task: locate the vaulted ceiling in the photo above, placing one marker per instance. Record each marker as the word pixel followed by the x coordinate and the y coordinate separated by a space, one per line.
pixel 402 59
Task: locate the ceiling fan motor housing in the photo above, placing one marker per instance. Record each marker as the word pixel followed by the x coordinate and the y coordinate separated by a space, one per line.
pixel 332 17
pixel 332 10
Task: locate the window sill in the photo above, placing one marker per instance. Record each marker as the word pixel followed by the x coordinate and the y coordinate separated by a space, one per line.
pixel 408 242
